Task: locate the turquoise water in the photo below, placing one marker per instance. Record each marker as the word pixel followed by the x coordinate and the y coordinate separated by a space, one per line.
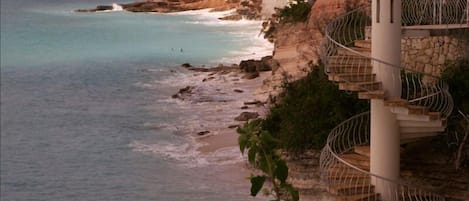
pixel 85 107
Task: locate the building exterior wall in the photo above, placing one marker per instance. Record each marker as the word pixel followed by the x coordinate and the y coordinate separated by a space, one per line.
pixel 430 53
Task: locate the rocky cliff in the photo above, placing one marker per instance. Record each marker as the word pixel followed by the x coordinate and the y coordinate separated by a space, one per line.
pixel 297 45
pixel 247 9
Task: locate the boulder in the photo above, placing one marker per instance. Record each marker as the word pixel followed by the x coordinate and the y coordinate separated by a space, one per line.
pixel 235 17
pixel 250 76
pixel 186 65
pixel 98 8
pixel 251 65
pixel 203 133
pixel 233 126
pixel 245 116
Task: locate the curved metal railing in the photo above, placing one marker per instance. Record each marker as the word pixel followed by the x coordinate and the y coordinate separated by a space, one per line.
pixel 354 180
pixel 418 88
pixel 431 12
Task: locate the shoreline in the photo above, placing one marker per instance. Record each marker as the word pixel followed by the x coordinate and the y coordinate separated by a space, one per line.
pixel 226 93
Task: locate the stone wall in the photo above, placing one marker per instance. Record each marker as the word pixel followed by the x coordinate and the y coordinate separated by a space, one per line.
pixel 429 53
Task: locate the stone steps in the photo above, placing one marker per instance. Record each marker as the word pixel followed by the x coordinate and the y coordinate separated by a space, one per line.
pixel 363 44
pixel 361 197
pixel 352 77
pixel 355 50
pixel 361 86
pixel 375 94
pixel 345 68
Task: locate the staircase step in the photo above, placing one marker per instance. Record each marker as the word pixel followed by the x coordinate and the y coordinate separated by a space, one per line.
pixel 362 150
pixel 396 102
pixel 376 94
pixel 406 136
pixel 346 68
pixel 432 124
pixel 356 159
pixel 418 117
pixel 422 129
pixel 410 109
pixel 363 43
pixel 348 176
pixel 363 51
pixel 360 86
pixel 361 197
pixel 348 59
pixel 352 189
pixel 352 77
pixel 341 166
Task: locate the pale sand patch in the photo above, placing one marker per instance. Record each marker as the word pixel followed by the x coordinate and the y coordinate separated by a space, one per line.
pixel 228 137
pixel 215 142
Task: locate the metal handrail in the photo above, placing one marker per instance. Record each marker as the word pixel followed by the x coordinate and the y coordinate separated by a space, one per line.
pixel 338 172
pixel 424 12
pixel 348 28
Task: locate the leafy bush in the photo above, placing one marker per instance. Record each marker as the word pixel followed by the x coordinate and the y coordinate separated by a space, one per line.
pixel 310 109
pixel 456 75
pixel 295 11
pixel 263 153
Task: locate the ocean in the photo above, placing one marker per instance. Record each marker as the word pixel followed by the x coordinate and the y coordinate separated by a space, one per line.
pixel 86 107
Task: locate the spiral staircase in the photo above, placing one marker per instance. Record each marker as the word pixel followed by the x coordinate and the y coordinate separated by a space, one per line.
pixel 421 111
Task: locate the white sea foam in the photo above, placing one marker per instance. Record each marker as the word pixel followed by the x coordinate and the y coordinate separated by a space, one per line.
pixel 260 48
pixel 187 154
pixel 117 7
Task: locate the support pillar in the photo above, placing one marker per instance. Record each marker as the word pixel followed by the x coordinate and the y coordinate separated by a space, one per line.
pixel 385 134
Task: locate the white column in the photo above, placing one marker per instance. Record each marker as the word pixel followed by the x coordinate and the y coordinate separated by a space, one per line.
pixel 385 135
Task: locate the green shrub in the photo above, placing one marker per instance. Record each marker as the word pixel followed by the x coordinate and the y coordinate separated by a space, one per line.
pixel 456 75
pixel 295 11
pixel 310 109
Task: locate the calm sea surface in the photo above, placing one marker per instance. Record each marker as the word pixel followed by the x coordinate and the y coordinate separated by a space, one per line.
pixel 86 112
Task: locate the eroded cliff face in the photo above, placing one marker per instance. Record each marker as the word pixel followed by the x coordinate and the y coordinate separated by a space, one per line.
pixel 245 9
pixel 297 45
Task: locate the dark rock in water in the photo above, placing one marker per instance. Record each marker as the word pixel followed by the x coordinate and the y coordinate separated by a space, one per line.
pixel 186 65
pixel 203 133
pixel 98 8
pixel 101 8
pixel 245 116
pixel 269 63
pixel 238 90
pixel 208 79
pixel 257 65
pixel 187 89
pixel 256 102
pixel 235 17
pixel 250 76
pixel 250 65
pixel 198 69
pixel 183 92
pixel 233 126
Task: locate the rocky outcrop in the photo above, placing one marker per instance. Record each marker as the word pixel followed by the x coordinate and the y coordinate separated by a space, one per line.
pixel 245 116
pixel 297 45
pixel 97 9
pixel 245 9
pixel 166 6
pixel 265 64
